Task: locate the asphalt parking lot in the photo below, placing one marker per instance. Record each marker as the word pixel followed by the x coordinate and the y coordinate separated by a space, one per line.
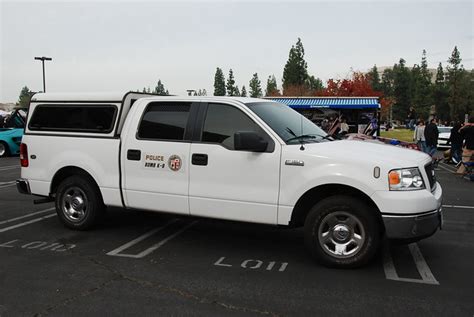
pixel 152 264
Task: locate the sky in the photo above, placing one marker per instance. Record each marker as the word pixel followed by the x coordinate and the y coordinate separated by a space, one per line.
pixel 120 46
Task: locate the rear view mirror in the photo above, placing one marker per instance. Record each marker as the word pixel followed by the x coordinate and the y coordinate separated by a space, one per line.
pixel 249 141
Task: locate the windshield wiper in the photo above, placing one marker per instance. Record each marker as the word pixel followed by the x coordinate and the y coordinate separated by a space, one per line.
pixel 301 137
pixel 311 136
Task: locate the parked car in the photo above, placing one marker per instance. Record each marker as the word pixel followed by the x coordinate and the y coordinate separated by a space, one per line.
pixel 12 132
pixel 240 159
pixel 381 140
pixel 444 133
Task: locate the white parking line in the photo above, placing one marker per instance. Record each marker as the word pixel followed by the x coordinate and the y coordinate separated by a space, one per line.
pixel 456 206
pixel 423 269
pixel 26 216
pixel 447 166
pixel 27 223
pixel 421 265
pixel 446 169
pixel 116 252
pixel 7 184
pixel 9 167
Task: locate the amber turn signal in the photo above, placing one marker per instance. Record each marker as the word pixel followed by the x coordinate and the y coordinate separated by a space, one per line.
pixel 394 178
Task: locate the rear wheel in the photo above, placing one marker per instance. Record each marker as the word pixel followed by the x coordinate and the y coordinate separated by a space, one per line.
pixel 342 231
pixel 79 203
pixel 4 150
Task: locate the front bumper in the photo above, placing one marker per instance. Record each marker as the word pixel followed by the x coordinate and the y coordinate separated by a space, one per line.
pixel 411 215
pixel 413 227
pixel 23 186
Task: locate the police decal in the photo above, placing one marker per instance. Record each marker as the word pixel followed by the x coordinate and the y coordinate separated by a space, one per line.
pixel 174 163
pixel 154 161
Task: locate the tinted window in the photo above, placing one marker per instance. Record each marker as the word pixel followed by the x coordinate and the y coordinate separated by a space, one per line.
pixel 74 118
pixel 222 121
pixel 164 121
pixel 291 126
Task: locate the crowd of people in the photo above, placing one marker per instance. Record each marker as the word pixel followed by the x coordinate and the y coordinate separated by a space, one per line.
pixel 461 140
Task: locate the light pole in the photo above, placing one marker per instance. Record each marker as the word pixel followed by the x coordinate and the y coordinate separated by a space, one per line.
pixel 42 59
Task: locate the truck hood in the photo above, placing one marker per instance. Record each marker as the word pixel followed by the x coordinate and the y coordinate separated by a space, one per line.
pixel 367 152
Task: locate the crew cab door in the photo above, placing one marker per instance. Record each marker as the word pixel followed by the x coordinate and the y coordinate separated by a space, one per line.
pixel 155 156
pixel 227 183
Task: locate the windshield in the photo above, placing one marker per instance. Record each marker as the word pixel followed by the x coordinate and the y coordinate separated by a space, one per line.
pixel 444 129
pixel 291 126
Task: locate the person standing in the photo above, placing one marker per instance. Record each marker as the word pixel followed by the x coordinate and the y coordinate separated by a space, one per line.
pixel 431 137
pixel 344 127
pixel 467 133
pixel 419 135
pixel 411 118
pixel 455 138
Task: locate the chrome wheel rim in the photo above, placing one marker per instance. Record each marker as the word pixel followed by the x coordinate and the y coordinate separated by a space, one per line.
pixel 2 149
pixel 74 204
pixel 341 234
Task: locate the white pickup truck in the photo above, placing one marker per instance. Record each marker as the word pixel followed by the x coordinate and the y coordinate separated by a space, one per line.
pixel 229 158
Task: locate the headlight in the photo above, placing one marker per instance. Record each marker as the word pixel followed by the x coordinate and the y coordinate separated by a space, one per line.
pixel 405 179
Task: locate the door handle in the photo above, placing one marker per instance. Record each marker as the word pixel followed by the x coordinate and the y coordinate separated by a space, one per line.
pixel 134 155
pixel 199 159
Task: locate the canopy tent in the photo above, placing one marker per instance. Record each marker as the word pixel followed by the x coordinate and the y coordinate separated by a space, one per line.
pixel 329 102
pixel 358 111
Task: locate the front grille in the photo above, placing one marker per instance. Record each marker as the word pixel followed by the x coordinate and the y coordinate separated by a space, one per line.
pixel 431 176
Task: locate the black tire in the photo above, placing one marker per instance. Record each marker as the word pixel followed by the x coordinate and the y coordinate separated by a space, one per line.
pixel 5 149
pixel 351 220
pixel 74 214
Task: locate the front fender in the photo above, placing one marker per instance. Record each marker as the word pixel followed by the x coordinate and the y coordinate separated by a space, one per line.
pixel 294 185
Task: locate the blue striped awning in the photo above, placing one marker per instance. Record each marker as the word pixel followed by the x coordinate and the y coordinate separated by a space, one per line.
pixel 333 103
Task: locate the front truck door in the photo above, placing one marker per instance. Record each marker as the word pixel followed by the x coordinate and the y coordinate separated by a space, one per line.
pixel 230 184
pixel 155 157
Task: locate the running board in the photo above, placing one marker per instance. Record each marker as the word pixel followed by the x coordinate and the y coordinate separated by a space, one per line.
pixel 43 200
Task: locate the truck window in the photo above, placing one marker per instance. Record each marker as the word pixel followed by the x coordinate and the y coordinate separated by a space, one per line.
pixel 164 121
pixel 73 118
pixel 222 121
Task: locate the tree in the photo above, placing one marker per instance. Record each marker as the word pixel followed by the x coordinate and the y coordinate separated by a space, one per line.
pixel 243 93
pixel 236 91
pixel 295 72
pixel 313 85
pixel 455 76
pixel 24 98
pixel 374 79
pixel 359 85
pixel 160 89
pixel 421 87
pixel 219 83
pixel 231 87
pixel 440 95
pixel 401 90
pixel 387 82
pixel 272 89
pixel 255 88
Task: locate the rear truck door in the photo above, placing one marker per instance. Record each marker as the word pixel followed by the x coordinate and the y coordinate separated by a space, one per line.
pixel 230 184
pixel 155 156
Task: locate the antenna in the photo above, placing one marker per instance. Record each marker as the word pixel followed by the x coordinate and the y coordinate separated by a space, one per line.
pixel 301 127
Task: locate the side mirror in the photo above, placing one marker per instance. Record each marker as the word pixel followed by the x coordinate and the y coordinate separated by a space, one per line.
pixel 249 141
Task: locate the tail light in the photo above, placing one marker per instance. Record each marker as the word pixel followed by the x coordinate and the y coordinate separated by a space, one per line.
pixel 24 155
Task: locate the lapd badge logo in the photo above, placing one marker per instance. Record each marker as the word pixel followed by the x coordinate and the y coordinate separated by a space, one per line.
pixel 174 163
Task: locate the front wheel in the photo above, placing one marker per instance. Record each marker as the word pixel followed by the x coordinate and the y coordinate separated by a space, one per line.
pixel 342 231
pixel 79 203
